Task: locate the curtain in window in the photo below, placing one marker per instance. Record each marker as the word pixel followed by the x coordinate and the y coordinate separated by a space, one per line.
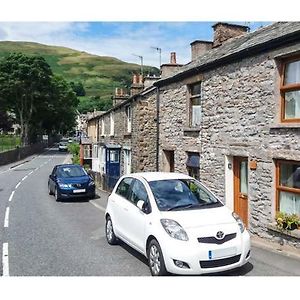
pixel 196 115
pixel 289 203
pixel 292 73
pixel 292 105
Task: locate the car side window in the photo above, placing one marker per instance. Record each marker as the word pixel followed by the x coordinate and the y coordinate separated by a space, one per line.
pixel 138 192
pixel 123 188
pixel 54 171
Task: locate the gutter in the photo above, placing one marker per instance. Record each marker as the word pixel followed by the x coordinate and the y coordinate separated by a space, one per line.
pixel 157 128
pixel 250 51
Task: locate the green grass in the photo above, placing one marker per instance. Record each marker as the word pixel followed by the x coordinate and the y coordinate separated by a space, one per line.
pixel 9 142
pixel 100 75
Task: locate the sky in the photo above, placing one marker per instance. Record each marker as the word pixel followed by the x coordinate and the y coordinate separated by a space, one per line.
pixel 124 40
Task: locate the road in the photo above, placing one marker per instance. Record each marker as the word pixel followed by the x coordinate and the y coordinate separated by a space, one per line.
pixel 42 237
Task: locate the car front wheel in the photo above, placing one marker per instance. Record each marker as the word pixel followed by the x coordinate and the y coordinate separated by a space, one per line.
pixel 56 195
pixel 156 259
pixel 109 230
pixel 49 189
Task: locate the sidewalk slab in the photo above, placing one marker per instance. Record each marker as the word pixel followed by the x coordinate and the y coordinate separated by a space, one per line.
pixel 274 247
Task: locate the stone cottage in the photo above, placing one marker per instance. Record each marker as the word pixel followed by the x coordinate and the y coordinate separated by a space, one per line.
pixel 231 117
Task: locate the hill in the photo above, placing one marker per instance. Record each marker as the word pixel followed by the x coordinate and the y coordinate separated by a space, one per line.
pixel 100 75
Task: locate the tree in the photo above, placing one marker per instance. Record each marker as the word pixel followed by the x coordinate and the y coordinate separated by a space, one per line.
pixel 6 121
pixel 78 88
pixel 25 83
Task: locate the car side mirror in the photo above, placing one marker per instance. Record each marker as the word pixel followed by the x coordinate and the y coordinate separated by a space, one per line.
pixel 140 204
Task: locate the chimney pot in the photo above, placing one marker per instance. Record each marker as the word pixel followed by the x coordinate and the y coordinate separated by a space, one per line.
pixel 173 58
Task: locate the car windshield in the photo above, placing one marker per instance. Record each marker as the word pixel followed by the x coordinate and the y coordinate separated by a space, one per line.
pixel 71 171
pixel 182 194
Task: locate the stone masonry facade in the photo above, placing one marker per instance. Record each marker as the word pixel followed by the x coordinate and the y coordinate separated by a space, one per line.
pixel 240 105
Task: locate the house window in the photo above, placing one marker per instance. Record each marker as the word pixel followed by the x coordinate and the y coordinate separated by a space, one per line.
pixel 288 187
pixel 193 164
pixel 102 127
pixel 290 91
pixel 112 124
pixel 195 104
pixel 128 118
pixel 127 161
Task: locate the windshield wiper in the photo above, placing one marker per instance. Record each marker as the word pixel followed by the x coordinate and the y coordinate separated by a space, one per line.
pixel 189 205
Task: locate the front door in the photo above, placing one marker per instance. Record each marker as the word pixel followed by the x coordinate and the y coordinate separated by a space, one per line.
pixel 241 188
pixel 112 166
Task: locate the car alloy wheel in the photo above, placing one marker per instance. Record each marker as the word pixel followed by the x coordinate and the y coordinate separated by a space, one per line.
pixel 49 190
pixel 110 235
pixel 156 260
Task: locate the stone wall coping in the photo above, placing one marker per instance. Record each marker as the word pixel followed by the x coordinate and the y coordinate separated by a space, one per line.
pixel 291 233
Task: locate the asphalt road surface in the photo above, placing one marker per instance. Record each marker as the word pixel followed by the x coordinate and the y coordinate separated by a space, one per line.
pixel 42 237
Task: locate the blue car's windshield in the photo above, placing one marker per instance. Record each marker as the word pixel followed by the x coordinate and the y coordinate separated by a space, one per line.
pixel 71 171
pixel 181 194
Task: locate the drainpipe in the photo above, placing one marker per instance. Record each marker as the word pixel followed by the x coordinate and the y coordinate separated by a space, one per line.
pixel 157 128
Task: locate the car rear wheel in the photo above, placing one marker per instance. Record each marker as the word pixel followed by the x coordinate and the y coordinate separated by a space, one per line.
pixel 57 198
pixel 109 230
pixel 156 259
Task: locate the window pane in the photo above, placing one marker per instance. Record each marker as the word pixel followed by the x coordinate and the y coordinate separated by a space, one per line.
pixel 138 192
pixel 196 115
pixel 292 72
pixel 289 203
pixel 196 89
pixel 244 177
pixel 114 156
pixel 290 175
pixel 292 105
pixel 124 186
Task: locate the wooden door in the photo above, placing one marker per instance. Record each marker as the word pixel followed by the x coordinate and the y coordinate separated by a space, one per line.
pixel 168 161
pixel 240 169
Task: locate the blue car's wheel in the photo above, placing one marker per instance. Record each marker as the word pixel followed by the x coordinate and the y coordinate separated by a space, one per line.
pixel 57 198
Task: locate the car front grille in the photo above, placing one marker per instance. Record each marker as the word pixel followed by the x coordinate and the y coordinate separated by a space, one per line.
pixel 205 264
pixel 78 185
pixel 214 240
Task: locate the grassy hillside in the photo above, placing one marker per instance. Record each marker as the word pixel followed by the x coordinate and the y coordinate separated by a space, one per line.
pixel 100 75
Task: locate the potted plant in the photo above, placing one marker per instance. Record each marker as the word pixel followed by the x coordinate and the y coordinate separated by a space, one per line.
pixel 287 221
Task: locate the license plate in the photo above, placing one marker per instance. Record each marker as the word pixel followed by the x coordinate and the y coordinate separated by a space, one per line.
pixel 79 191
pixel 219 253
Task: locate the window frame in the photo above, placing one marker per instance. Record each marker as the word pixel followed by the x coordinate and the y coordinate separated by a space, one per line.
pixel 112 123
pixel 191 97
pixel 287 88
pixel 279 187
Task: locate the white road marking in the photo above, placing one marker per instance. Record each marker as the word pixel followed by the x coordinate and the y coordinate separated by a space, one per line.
pixel 98 206
pixel 24 177
pixel 11 196
pixel 5 264
pixel 30 173
pixel 6 219
pixel 18 185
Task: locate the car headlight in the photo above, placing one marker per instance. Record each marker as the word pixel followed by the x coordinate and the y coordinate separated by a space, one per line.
pixel 239 221
pixel 91 183
pixel 174 229
pixel 64 185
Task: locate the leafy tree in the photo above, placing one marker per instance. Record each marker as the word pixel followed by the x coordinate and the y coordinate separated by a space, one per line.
pixel 6 121
pixel 78 88
pixel 25 83
pixel 93 103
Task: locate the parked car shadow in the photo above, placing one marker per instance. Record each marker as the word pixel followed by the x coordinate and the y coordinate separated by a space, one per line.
pixel 78 200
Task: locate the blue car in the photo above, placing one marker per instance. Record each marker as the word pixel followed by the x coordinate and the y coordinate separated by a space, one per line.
pixel 70 181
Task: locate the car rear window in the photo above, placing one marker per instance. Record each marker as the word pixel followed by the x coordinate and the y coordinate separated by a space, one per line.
pixel 71 171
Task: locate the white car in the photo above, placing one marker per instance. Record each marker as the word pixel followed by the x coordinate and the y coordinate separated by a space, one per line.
pixel 177 223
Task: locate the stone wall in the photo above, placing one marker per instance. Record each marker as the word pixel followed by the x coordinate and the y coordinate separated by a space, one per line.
pixel 240 117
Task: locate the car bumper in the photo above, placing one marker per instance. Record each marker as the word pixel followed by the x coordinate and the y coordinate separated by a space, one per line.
pixel 69 193
pixel 198 256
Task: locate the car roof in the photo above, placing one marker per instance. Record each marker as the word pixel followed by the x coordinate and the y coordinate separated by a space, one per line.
pixel 154 176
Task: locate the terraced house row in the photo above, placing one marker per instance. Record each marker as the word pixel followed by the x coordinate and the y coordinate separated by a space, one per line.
pixel 230 117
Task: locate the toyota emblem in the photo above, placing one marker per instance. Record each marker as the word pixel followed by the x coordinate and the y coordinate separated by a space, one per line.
pixel 220 235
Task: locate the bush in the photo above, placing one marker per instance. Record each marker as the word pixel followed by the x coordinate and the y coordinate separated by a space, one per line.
pixel 287 221
pixel 74 149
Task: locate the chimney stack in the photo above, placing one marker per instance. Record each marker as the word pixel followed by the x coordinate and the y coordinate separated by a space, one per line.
pixel 198 48
pixel 167 70
pixel 225 31
pixel 119 96
pixel 137 84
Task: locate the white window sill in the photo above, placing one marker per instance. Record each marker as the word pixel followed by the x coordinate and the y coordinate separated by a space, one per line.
pixel 285 125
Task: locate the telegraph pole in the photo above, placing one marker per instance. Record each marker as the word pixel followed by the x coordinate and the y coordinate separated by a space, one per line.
pixel 159 51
